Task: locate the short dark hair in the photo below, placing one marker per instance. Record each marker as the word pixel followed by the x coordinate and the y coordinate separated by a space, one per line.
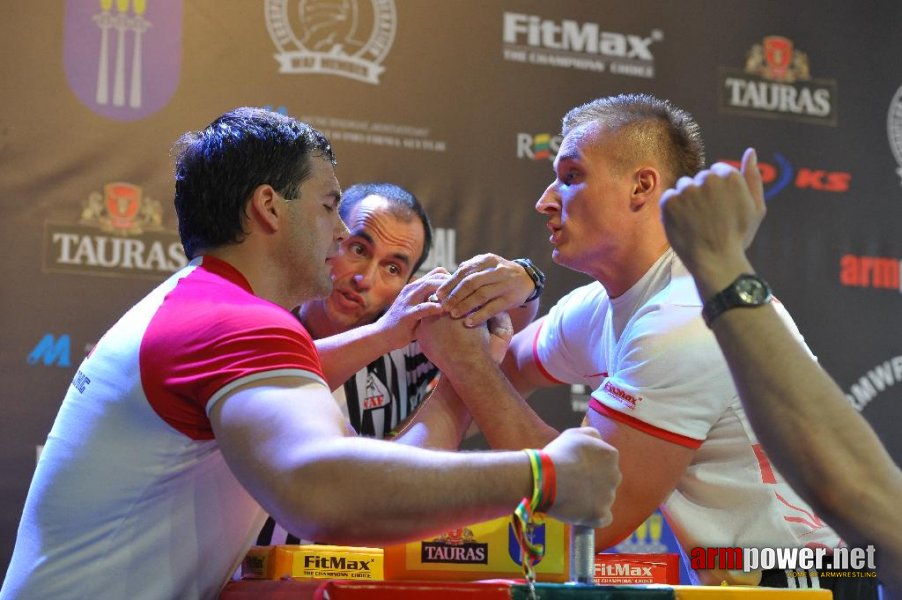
pixel 397 196
pixel 653 127
pixel 218 168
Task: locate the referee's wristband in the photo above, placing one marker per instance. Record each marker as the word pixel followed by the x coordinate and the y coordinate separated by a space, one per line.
pixel 538 278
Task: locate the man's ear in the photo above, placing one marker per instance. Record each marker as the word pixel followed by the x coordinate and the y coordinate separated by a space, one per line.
pixel 646 184
pixel 265 208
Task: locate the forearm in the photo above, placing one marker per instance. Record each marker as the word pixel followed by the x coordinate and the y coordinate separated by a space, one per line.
pixel 817 440
pixel 651 468
pixel 344 354
pixel 440 422
pixel 523 315
pixel 824 448
pixel 366 492
pixel 506 420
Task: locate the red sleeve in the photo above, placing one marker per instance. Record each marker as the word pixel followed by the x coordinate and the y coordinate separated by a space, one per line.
pixel 192 350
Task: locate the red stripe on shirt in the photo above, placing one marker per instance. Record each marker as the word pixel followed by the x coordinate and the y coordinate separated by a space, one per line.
pixel 669 436
pixel 812 519
pixel 767 472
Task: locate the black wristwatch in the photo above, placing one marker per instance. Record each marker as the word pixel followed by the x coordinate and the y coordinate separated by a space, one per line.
pixel 538 278
pixel 746 291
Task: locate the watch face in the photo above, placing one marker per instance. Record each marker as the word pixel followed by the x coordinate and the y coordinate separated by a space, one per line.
pixel 751 291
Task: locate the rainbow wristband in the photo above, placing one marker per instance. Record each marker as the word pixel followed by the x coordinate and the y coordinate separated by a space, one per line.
pixel 530 512
pixel 544 481
pixel 549 483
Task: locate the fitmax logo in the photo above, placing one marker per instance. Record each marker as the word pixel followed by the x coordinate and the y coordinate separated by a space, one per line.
pixel 52 351
pixel 573 36
pixel 577 45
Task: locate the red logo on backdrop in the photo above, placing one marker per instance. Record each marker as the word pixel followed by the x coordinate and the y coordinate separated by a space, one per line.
pixel 123 201
pixel 123 209
pixel 776 82
pixel 119 232
pixel 777 59
pixel 457 537
pixel 778 54
pixel 781 173
pixel 880 272
pixel 458 546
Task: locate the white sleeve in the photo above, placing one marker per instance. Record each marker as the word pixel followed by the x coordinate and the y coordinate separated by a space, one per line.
pixel 668 376
pixel 566 345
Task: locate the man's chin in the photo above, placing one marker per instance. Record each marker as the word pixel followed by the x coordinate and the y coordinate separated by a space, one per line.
pixel 318 292
pixel 325 289
pixel 563 260
pixel 338 309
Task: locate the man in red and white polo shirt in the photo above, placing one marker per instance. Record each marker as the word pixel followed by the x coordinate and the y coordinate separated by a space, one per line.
pixel 205 407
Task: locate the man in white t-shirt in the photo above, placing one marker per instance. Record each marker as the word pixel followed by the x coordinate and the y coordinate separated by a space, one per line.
pixel 662 391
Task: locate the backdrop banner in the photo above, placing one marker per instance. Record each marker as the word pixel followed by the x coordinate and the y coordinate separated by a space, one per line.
pixel 461 103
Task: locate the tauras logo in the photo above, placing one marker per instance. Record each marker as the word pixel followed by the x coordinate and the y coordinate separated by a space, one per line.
pixel 120 233
pixel 458 546
pixel 569 43
pixel 467 553
pixel 776 82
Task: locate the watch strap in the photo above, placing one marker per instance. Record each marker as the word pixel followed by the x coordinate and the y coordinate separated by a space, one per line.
pixel 536 274
pixel 714 307
pixel 730 297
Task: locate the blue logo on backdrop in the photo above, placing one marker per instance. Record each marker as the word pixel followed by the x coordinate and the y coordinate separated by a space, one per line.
pixel 781 174
pixel 785 177
pixel 536 535
pixel 51 351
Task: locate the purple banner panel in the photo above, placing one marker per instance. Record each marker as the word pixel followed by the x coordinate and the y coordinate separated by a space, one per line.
pixel 123 57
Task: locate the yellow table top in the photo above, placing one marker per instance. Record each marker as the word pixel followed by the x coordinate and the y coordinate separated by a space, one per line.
pixel 738 592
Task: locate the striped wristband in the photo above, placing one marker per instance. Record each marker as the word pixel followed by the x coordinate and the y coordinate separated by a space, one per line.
pixel 531 511
pixel 544 481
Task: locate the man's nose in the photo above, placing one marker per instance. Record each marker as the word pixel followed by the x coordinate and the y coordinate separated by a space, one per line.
pixel 341 231
pixel 549 202
pixel 363 279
